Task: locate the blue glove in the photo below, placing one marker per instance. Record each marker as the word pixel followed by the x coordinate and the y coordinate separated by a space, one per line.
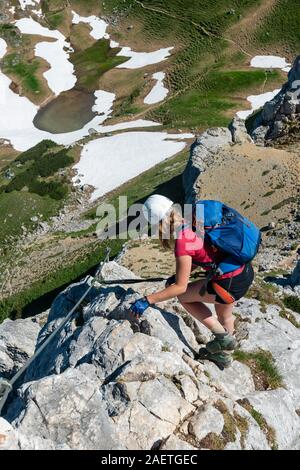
pixel 139 307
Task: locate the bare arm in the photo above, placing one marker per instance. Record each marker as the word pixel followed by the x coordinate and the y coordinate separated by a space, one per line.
pixel 183 271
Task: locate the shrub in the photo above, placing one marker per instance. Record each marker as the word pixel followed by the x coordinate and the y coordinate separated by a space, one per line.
pixel 263 368
pixel 51 163
pixel 292 302
pixel 54 189
pixel 35 152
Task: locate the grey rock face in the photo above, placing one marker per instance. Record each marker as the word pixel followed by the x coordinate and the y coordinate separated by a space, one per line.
pixel 282 110
pixel 239 131
pixel 253 437
pixel 207 420
pixel 8 436
pixel 295 276
pixel 277 335
pixel 67 408
pixel 174 443
pixel 106 384
pixel 236 381
pixel 277 407
pixel 17 343
pixel 202 152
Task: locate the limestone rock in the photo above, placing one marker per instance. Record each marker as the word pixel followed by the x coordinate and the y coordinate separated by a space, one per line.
pixel 174 443
pixel 280 337
pixel 108 382
pixel 239 132
pixel 277 408
pixel 207 420
pixel 252 436
pixel 152 365
pixel 276 114
pixel 17 344
pixel 295 276
pixel 66 409
pixel 202 152
pixel 8 436
pixel 235 382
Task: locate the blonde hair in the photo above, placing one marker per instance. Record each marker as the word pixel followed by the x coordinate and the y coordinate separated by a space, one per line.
pixel 168 228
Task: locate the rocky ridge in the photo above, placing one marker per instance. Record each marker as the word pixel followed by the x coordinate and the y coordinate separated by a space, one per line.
pixel 108 382
pixel 280 116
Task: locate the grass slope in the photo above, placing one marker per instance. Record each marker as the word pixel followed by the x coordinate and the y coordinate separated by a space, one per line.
pixel 93 62
pixel 281 27
pixel 27 72
pixel 208 76
pixel 165 178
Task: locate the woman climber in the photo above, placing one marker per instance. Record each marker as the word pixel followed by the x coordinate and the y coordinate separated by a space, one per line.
pixel 228 277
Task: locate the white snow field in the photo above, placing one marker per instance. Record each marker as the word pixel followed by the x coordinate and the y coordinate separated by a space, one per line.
pixel 270 62
pixel 141 59
pixel 159 92
pixel 3 48
pixel 26 3
pixel 257 101
pixel 60 76
pixel 98 25
pixel 108 162
pixel 17 114
pixel 137 59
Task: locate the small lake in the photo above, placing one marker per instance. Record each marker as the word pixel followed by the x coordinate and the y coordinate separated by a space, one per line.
pixel 69 112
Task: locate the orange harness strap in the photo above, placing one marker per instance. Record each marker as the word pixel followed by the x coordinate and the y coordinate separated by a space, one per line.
pixel 223 293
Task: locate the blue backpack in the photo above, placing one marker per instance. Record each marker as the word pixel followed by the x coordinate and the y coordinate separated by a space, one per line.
pixel 228 231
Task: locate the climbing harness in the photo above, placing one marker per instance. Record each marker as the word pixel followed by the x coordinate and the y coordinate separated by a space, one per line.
pixel 7 385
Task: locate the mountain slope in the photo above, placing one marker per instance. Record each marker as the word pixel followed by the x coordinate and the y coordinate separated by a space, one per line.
pixel 109 383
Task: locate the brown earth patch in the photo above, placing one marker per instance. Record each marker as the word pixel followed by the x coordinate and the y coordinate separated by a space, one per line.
pixel 243 32
pixel 7 155
pixel 255 180
pixel 147 259
pixel 28 55
pixel 80 37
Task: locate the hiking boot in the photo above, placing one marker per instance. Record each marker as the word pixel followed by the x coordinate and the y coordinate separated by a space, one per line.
pixel 221 359
pixel 222 342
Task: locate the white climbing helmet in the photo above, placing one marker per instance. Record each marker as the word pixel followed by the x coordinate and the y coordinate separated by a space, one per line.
pixel 156 208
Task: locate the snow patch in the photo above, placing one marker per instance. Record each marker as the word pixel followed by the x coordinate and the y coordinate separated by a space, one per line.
pixel 142 59
pixel 257 101
pixel 37 12
pixel 159 91
pixel 104 102
pixel 129 125
pixel 60 76
pixel 25 3
pixel 137 59
pixel 270 62
pixel 3 48
pixel 97 24
pixel 108 162
pixel 113 44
